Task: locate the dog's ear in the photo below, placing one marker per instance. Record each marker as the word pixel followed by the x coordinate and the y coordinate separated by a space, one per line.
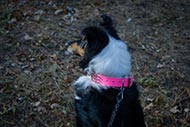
pixel 107 21
pixel 108 25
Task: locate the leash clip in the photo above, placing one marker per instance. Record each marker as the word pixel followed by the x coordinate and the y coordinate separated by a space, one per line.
pixel 120 94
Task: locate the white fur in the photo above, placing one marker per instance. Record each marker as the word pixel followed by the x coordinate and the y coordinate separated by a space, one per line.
pixel 77 97
pixel 113 61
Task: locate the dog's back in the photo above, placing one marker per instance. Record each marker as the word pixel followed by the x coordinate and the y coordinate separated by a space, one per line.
pixel 95 108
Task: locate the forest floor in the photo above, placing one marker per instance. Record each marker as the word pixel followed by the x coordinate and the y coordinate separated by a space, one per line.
pixel 36 73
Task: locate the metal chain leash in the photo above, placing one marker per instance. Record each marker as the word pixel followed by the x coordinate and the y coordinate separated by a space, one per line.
pixel 117 105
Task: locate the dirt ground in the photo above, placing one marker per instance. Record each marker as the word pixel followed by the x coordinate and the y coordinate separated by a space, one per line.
pixel 36 73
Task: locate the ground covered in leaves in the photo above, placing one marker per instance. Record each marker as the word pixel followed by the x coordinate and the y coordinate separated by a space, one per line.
pixel 36 73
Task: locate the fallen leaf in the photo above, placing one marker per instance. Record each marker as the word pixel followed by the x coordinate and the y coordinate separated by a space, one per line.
pixel 37 103
pixel 150 99
pixel 174 110
pixel 160 65
pixel 186 110
pixel 54 105
pixel 53 56
pixel 59 11
pixel 27 37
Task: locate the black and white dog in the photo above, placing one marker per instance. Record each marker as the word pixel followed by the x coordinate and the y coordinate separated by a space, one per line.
pixel 107 95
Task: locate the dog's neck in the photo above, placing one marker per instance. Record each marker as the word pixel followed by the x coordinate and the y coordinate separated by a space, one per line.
pixel 114 60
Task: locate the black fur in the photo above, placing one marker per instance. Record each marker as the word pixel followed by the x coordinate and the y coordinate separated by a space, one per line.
pixel 95 107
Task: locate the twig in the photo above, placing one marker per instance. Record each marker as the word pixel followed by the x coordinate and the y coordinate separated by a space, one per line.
pixel 56 84
pixel 186 98
pixel 175 101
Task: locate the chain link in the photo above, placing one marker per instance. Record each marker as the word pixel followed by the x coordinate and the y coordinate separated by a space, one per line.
pixel 117 105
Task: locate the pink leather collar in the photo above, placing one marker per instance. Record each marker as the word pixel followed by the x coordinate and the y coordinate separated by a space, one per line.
pixel 111 81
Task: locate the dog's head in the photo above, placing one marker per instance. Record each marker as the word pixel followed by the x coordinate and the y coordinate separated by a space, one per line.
pixel 94 39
